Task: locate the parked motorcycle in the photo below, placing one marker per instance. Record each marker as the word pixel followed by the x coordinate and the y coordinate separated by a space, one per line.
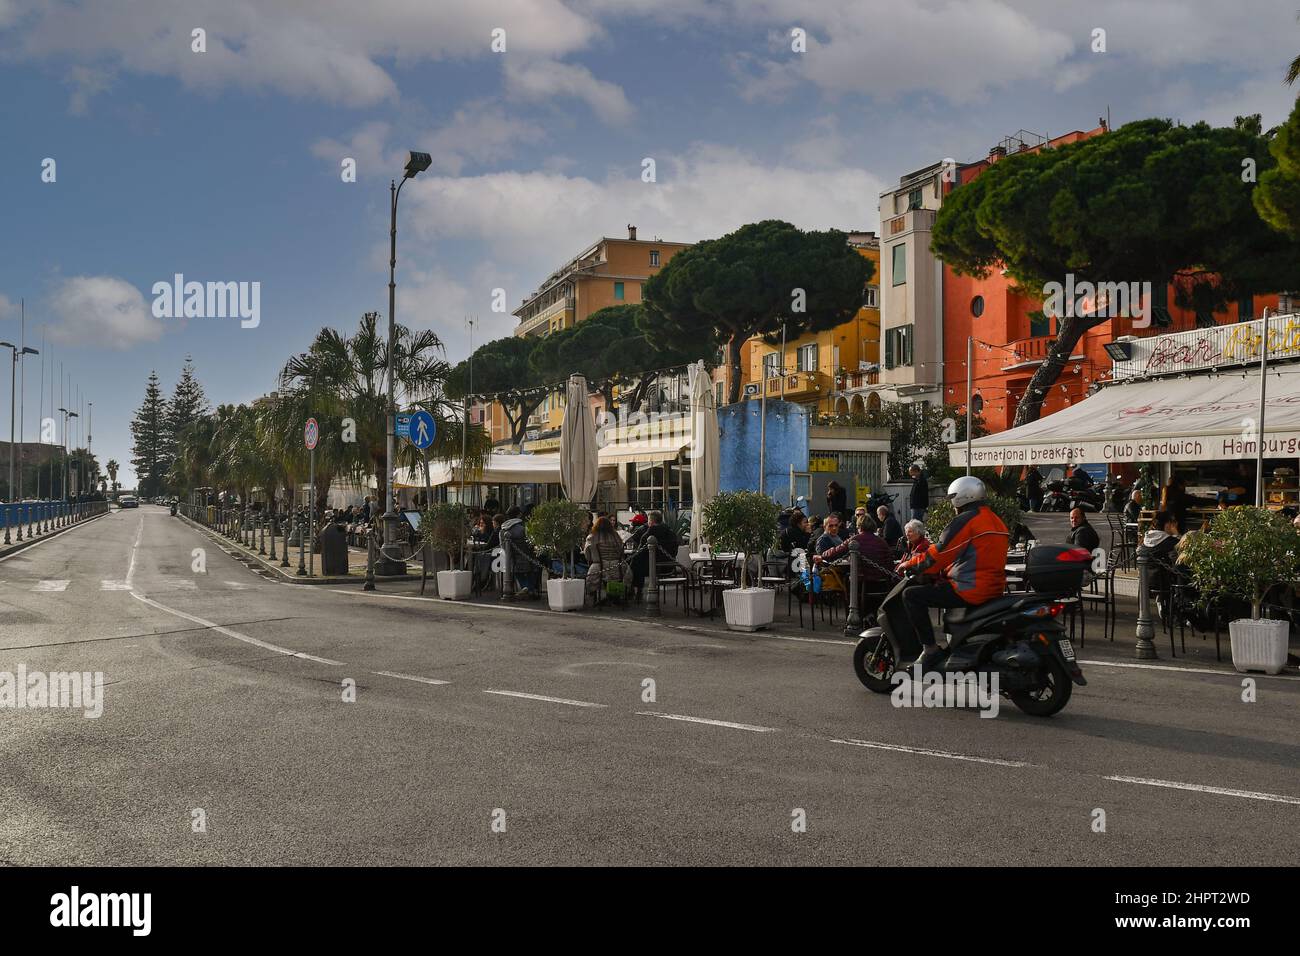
pixel 1056 496
pixel 877 499
pixel 1091 499
pixel 1018 637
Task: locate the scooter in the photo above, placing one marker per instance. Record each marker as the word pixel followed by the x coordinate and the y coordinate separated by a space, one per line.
pixel 1056 497
pixel 1018 637
pixel 1090 499
pixel 173 509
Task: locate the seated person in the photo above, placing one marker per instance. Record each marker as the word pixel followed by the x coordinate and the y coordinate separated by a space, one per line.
pixel 667 544
pixel 891 530
pixel 605 564
pixel 966 568
pixel 1160 543
pixel 876 557
pixel 830 536
pixel 795 537
pixel 1082 534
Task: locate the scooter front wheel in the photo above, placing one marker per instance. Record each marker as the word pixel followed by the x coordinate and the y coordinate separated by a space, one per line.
pixel 874 663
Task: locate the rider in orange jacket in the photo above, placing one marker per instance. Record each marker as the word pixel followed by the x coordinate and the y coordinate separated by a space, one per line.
pixel 969 561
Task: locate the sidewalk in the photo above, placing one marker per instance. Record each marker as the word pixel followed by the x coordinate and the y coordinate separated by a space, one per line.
pixel 8 550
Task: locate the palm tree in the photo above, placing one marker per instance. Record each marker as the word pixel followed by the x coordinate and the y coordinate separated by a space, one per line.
pixel 1293 71
pixel 112 467
pixel 341 378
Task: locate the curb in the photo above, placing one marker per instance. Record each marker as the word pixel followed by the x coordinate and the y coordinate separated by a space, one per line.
pixel 263 565
pixel 16 548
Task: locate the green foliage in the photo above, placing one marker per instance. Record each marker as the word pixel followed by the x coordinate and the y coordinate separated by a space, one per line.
pixel 723 291
pixel 941 513
pixel 501 372
pixel 1151 201
pixel 1278 197
pixel 444 526
pixel 916 433
pixel 152 444
pixel 741 521
pixel 1245 552
pixel 557 527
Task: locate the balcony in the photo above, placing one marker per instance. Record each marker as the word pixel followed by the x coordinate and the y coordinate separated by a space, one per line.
pixel 852 381
pixel 796 385
pixel 1031 351
pixel 542 320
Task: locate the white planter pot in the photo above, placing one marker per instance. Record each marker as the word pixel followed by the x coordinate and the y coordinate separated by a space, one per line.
pixel 455 585
pixel 748 609
pixel 565 594
pixel 1259 645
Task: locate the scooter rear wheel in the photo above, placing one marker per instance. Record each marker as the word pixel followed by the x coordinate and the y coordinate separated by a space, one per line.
pixel 1053 695
pixel 873 662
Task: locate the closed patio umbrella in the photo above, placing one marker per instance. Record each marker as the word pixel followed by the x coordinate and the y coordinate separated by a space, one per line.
pixel 704 446
pixel 579 456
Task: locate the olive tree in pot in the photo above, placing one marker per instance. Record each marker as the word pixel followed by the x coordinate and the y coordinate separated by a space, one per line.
pixel 1245 552
pixel 443 529
pixel 559 528
pixel 743 521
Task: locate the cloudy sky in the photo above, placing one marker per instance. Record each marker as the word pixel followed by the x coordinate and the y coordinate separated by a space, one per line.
pixel 225 165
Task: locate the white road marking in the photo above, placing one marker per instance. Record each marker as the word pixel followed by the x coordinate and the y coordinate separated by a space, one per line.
pixel 179 584
pixel 705 720
pixel 235 634
pixel 51 585
pixel 1201 788
pixel 877 745
pixel 237 586
pixel 130 568
pixel 107 585
pixel 550 700
pixel 421 680
pixel 1185 670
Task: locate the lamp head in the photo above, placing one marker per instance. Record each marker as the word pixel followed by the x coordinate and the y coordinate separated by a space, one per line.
pixel 416 163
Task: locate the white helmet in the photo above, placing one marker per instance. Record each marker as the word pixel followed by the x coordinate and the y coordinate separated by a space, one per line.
pixel 966 489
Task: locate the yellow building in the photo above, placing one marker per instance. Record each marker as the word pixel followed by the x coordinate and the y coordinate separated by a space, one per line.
pixel 820 369
pixel 609 272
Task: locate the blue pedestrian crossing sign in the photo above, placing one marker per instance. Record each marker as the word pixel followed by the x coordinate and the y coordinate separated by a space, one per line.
pixel 421 429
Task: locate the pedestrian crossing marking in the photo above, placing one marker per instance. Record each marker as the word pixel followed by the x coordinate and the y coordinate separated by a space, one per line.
pixel 107 585
pixel 237 586
pixel 51 586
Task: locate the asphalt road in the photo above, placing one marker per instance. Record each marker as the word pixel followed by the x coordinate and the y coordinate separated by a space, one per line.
pixel 224 692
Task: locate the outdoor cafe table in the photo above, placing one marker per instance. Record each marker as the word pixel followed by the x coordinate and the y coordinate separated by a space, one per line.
pixel 713 582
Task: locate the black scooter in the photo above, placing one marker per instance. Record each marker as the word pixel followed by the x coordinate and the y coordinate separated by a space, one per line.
pixel 1019 637
pixel 173 509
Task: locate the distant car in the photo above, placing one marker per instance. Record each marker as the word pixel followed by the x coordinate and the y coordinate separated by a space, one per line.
pixel 128 501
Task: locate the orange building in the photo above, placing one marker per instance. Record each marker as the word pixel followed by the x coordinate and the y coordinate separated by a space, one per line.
pixel 1012 334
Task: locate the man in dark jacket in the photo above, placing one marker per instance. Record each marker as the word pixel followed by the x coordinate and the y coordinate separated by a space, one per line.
pixel 1082 534
pixel 891 530
pixel 666 544
pixel 919 498
pixel 837 499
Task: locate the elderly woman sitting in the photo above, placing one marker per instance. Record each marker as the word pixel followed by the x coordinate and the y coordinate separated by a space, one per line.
pixel 917 542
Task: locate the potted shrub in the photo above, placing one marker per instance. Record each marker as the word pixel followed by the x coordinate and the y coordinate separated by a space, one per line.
pixel 743 521
pixel 444 527
pixel 1245 552
pixel 559 528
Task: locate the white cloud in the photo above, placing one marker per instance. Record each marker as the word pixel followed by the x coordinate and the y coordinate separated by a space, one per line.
pixel 547 79
pixel 101 311
pixel 329 49
pixel 7 308
pixel 529 223
pixel 86 83
pixel 367 146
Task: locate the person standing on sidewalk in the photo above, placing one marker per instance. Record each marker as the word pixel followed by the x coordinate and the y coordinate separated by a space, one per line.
pixel 918 500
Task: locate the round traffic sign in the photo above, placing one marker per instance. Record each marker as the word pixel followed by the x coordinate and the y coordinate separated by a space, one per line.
pixel 423 429
pixel 311 434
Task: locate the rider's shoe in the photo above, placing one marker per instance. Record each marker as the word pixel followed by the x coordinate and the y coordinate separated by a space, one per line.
pixel 929 661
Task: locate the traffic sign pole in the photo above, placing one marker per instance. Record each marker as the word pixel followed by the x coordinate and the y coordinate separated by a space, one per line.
pixel 311 516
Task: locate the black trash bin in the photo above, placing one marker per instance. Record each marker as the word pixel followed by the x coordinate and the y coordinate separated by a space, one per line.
pixel 333 550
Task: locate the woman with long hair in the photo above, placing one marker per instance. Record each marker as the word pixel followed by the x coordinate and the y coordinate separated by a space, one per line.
pixel 604 552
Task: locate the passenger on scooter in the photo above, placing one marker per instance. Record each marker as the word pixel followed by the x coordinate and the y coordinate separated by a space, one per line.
pixel 969 560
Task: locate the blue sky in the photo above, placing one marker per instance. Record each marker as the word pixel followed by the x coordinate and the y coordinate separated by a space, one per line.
pixel 225 165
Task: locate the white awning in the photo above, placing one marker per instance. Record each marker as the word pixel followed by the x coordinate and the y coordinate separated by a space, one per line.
pixel 665 449
pixel 1204 417
pixel 499 470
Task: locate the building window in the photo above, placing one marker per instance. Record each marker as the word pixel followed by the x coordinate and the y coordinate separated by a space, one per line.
pixel 1039 324
pixel 871 297
pixel 899 268
pixel 977 306
pixel 1246 308
pixel 898 347
pixel 808 358
pixel 1159 305
pixel 618 291
pixel 717 394
pixel 914 198
pixel 654 258
pixel 771 365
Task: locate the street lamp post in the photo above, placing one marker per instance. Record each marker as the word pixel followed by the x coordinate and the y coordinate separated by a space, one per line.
pixel 14 352
pixel 416 163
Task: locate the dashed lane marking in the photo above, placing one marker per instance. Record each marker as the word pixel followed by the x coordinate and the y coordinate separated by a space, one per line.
pixel 60 585
pixel 754 728
pixel 549 700
pixel 419 680
pixel 1184 670
pixel 1202 788
pixel 107 585
pixel 877 745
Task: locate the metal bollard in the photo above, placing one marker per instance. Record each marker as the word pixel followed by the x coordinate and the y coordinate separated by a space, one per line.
pixel 7 541
pixel 275 521
pixel 508 570
pixel 853 622
pixel 19 516
pixel 261 524
pixel 284 552
pixel 302 548
pixel 370 562
pixel 652 608
pixel 1146 632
